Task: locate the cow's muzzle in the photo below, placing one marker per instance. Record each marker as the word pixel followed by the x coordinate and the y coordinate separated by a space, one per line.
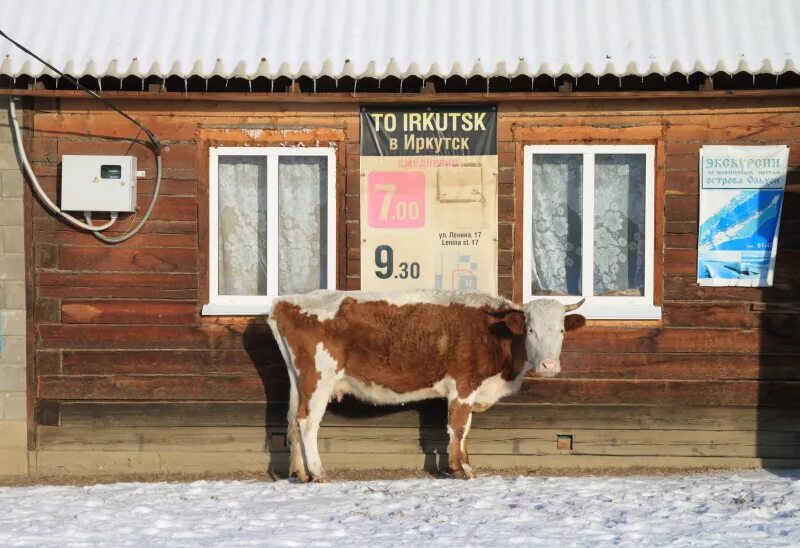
pixel 548 368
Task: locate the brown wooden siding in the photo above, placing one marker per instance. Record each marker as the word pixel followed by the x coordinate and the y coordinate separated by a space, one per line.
pixel 122 323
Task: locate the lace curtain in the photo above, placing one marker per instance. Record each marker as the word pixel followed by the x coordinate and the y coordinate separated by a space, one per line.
pixel 557 205
pixel 619 217
pixel 242 225
pixel 619 229
pixel 302 224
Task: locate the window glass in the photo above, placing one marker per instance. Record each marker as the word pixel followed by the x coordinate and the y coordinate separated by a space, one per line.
pixel 302 224
pixel 242 263
pixel 556 224
pixel 619 224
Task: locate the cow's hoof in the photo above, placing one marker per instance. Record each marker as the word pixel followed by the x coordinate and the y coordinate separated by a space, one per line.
pixel 301 477
pixel 465 472
pixel 320 479
pixel 468 472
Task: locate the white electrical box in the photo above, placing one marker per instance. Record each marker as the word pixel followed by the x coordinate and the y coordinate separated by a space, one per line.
pixel 98 183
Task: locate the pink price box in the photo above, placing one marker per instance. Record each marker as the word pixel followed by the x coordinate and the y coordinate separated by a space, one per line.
pixel 396 199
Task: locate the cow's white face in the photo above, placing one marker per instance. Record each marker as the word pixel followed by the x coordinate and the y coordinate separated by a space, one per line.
pixel 545 324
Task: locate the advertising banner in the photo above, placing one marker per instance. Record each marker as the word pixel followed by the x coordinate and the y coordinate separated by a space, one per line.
pixel 429 198
pixel 741 193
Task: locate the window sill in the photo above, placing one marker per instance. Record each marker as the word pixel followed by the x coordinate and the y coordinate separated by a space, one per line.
pixel 594 311
pixel 236 309
pixel 610 308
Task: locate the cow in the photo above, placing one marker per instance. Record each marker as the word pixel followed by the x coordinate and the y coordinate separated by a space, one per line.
pixel 393 348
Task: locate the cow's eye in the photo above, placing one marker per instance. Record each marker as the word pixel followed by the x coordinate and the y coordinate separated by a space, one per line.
pixel 562 330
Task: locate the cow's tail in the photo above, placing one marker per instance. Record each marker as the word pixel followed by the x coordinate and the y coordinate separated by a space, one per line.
pixel 293 439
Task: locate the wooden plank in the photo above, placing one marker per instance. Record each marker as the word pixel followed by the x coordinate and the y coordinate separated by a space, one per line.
pixel 683 156
pixel 169 186
pixel 680 227
pixel 685 288
pixel 246 334
pixel 772 323
pixel 129 312
pixel 680 241
pixel 264 359
pixel 127 259
pixel 428 414
pixel 98 124
pixel 97 285
pixel 681 184
pixel 43 227
pixel 710 315
pixel 72 237
pixel 411 441
pixel 171 208
pixel 681 208
pixel 175 156
pixel 678 366
pixel 652 340
pixel 751 393
pixel 119 292
pixel 158 387
pixel 167 208
pixel 113 464
pixel 756 133
pixel 76 336
pixel 773 339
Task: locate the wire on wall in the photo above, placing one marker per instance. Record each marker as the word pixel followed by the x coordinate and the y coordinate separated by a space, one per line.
pixel 153 141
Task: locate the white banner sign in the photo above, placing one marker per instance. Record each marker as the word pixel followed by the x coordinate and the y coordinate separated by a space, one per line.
pixel 741 193
pixel 429 198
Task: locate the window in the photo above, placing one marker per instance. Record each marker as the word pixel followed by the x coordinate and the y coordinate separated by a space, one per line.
pixel 588 228
pixel 272 231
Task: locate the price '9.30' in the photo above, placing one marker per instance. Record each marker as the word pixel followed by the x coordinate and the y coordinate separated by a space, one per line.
pixel 384 260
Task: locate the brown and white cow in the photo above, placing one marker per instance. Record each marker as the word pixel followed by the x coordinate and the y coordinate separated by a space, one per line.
pixel 391 348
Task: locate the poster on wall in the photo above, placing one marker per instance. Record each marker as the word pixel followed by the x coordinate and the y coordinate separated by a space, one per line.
pixel 741 193
pixel 429 198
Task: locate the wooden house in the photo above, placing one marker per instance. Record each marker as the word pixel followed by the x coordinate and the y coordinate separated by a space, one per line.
pixel 153 355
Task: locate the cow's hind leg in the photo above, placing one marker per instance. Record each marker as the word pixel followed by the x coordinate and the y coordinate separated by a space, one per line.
pixel 309 430
pixel 459 419
pixel 312 408
pixel 296 466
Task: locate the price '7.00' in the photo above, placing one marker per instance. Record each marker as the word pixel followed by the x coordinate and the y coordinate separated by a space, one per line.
pixel 396 199
pixel 384 260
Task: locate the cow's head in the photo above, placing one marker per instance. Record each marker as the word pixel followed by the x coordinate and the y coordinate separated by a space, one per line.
pixel 545 324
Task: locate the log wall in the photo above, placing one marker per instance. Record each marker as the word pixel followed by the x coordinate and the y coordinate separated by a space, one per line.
pixel 122 324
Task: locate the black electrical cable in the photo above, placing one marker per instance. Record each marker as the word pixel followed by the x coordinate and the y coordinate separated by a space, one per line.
pixel 73 81
pixel 153 139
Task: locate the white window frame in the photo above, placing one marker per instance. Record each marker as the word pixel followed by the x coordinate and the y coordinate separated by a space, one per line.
pixel 595 307
pixel 246 305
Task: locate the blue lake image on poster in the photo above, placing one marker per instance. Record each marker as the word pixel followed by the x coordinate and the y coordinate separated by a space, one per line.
pixel 735 242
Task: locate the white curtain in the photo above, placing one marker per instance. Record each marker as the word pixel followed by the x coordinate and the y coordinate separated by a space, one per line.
pixel 302 231
pixel 619 224
pixel 302 224
pixel 556 215
pixel 242 196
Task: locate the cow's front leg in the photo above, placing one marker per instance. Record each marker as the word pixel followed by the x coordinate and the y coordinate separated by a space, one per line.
pixel 459 419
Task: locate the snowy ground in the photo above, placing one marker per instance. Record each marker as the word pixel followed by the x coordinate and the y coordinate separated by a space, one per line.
pixel 732 509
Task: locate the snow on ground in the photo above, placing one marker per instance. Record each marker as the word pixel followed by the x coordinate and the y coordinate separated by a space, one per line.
pixel 731 509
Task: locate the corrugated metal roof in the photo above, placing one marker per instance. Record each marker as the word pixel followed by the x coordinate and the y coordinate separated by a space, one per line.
pixel 379 38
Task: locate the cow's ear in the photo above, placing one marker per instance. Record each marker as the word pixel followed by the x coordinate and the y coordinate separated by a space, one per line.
pixel 515 321
pixel 574 321
pixel 507 322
